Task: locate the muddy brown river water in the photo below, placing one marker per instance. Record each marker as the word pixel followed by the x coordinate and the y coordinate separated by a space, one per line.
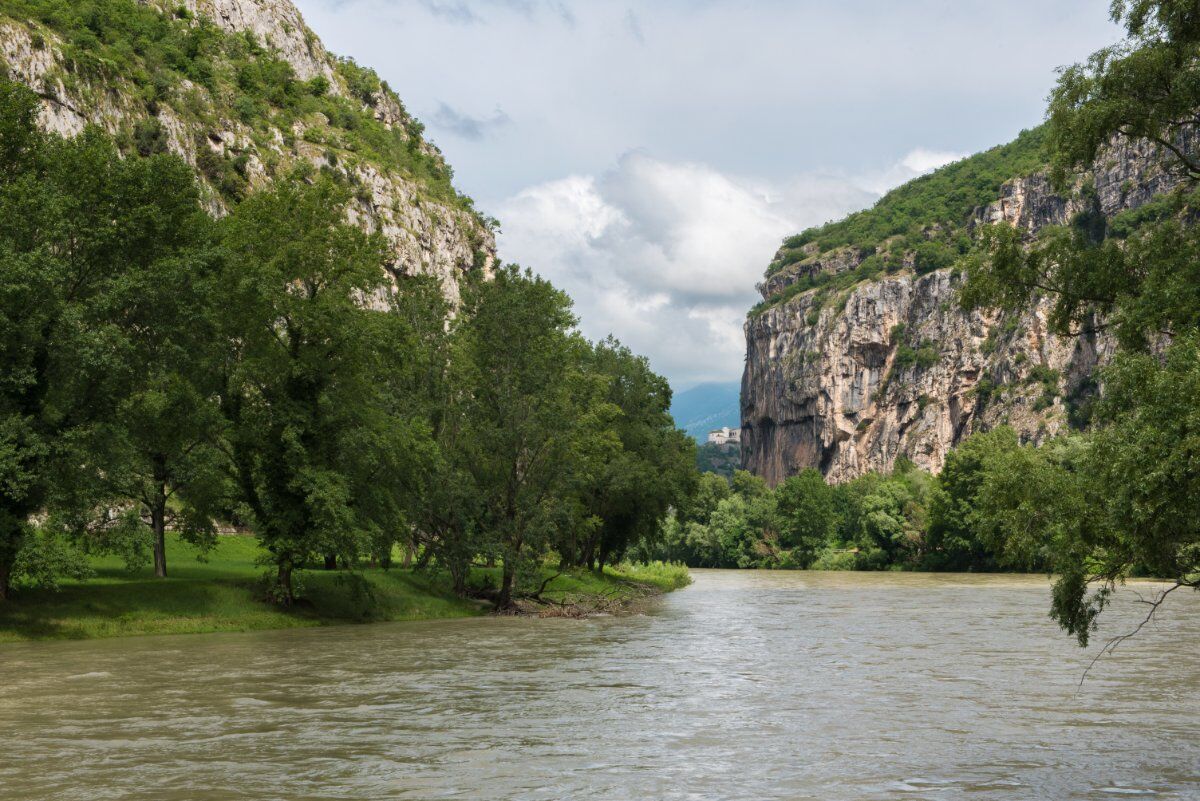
pixel 747 685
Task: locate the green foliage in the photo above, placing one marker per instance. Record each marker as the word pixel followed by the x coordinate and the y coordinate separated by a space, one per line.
pixel 651 470
pixel 102 260
pixel 722 460
pixel 924 217
pixel 806 516
pixel 108 41
pixel 955 523
pixel 921 357
pixel 944 197
pixel 1145 87
pixel 870 268
pixel 315 441
pixel 1121 499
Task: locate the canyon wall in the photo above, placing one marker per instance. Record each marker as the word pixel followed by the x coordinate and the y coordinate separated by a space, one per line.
pixel 891 366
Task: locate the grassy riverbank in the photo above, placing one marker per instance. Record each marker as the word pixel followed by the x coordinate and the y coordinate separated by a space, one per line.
pixel 225 594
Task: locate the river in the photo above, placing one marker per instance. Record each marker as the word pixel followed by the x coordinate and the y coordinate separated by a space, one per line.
pixel 746 685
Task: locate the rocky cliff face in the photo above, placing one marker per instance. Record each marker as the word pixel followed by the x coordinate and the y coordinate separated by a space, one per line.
pixel 892 367
pixel 240 146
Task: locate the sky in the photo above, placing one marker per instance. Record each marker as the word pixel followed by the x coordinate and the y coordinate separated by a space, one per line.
pixel 649 157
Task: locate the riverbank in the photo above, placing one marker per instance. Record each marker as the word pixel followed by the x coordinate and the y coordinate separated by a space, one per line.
pixel 225 593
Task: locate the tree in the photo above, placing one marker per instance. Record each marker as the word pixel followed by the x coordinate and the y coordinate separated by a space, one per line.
pixel 953 542
pixel 893 519
pixel 710 490
pixel 158 454
pixel 1145 87
pixel 1140 483
pixel 524 431
pixel 446 502
pixel 84 238
pixel 1138 275
pixel 738 538
pixel 651 470
pixel 315 439
pixel 806 512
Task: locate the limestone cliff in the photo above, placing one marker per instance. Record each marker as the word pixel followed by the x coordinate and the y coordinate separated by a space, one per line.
pixel 245 92
pixel 848 375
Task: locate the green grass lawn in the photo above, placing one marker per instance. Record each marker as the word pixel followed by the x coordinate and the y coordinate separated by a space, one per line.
pixel 225 593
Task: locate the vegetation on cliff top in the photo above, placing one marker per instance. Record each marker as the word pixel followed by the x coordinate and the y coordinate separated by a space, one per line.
pixel 921 224
pixel 210 77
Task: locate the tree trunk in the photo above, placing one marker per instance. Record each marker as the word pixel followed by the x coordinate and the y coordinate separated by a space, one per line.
pixel 158 517
pixel 11 539
pixel 283 581
pixel 504 599
pixel 458 577
pixel 158 523
pixel 331 561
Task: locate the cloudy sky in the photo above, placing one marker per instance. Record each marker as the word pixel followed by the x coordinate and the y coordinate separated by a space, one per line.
pixel 648 157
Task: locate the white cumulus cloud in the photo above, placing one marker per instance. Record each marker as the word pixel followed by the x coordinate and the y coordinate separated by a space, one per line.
pixel 666 255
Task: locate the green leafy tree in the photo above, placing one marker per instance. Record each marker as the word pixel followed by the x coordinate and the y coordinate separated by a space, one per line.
pixel 953 542
pixel 893 519
pixel 651 471
pixel 525 435
pixel 314 434
pixel 710 490
pixel 740 541
pixel 85 239
pixel 1140 483
pixel 158 454
pixel 807 515
pixel 1136 274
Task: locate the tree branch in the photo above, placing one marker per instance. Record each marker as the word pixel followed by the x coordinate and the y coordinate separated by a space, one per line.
pixel 1115 642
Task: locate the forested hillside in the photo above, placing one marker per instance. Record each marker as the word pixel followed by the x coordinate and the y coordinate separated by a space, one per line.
pixel 239 292
pixel 245 93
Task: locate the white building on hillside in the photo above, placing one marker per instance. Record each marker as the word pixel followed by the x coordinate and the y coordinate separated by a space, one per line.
pixel 725 436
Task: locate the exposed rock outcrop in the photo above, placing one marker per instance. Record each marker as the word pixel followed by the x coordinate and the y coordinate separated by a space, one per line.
pixel 430 229
pixel 893 367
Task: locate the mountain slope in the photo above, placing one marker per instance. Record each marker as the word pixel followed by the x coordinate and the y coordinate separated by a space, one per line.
pixel 859 353
pixel 707 406
pixel 246 93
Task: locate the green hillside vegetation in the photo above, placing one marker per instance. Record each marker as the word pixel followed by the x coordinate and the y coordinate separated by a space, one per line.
pixel 923 221
pixel 207 76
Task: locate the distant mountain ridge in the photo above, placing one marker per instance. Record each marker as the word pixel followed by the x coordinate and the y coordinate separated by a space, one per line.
pixel 707 406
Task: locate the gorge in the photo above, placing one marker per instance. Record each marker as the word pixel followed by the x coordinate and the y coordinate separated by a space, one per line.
pixel 860 354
